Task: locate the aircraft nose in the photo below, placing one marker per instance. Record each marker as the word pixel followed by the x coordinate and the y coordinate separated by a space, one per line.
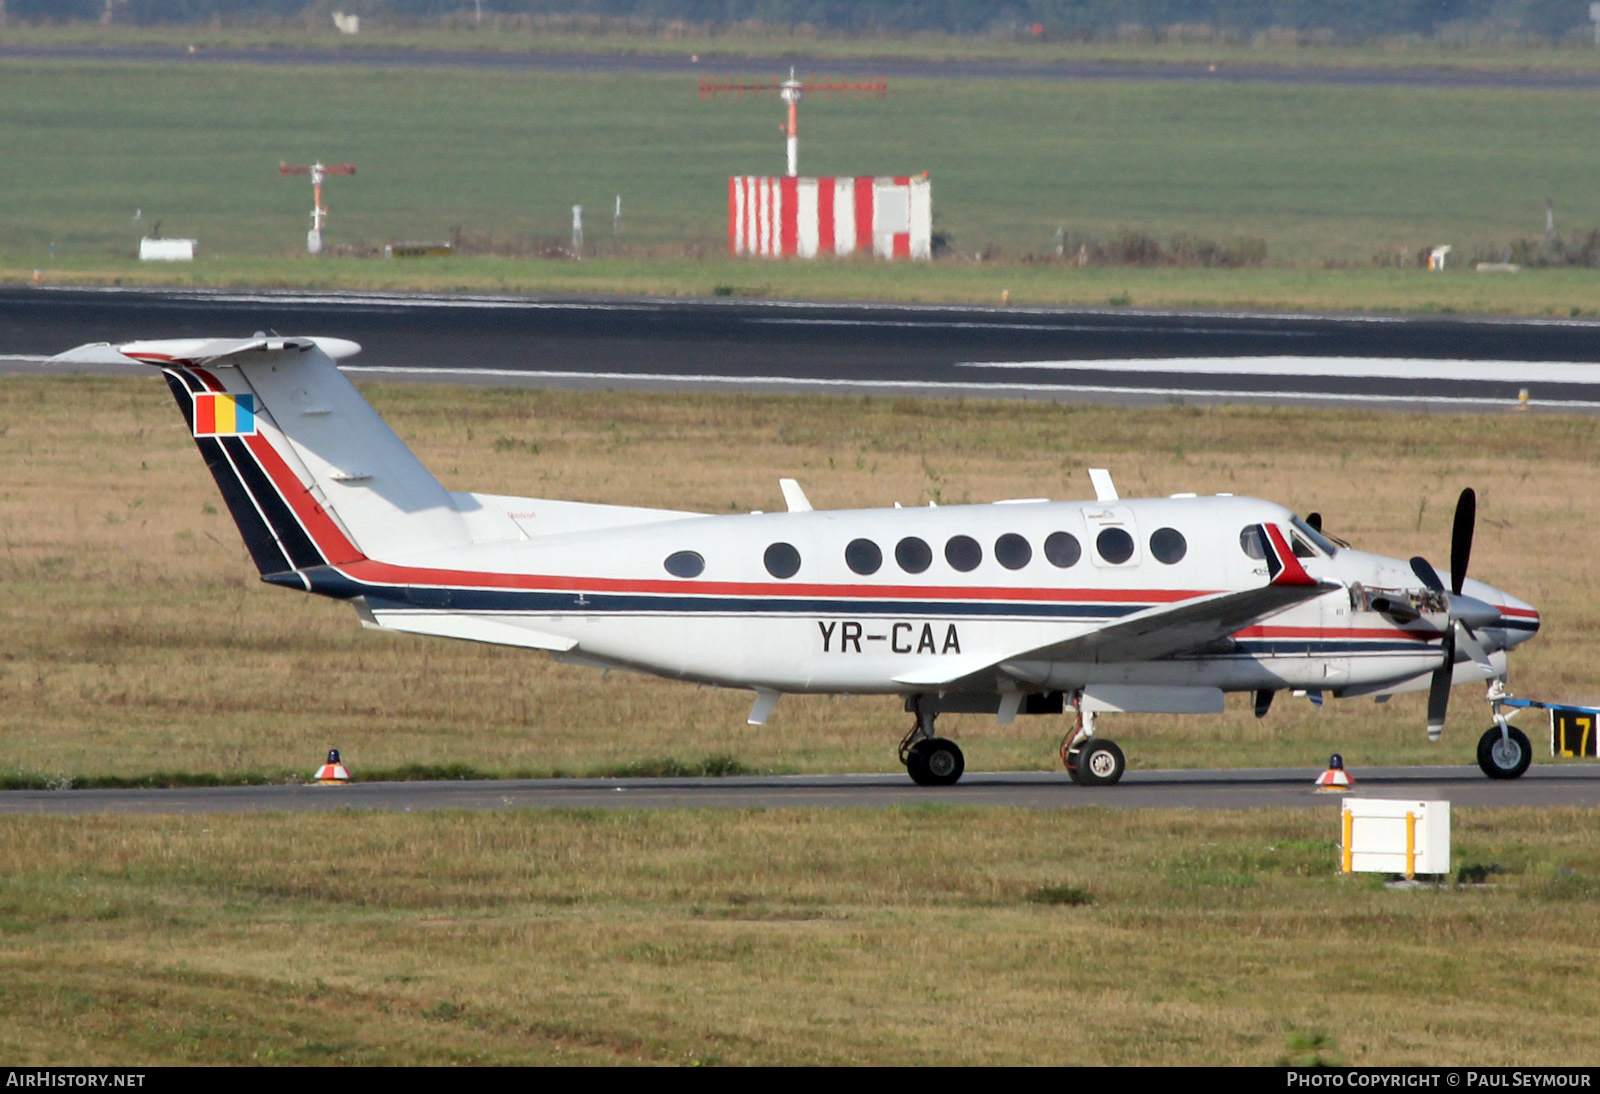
pixel 1519 619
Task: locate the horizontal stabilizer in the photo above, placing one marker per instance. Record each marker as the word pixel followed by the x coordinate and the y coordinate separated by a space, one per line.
pixel 198 351
pixel 470 628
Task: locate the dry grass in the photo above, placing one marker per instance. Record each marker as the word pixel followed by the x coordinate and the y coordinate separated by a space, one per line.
pixel 774 937
pixel 137 638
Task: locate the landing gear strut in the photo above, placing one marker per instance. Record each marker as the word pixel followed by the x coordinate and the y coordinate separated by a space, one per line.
pixel 1090 760
pixel 930 760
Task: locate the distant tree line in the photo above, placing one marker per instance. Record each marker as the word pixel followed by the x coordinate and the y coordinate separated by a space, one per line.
pixel 1351 20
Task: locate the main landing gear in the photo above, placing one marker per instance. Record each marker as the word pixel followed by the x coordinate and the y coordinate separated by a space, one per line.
pixel 1091 760
pixel 930 760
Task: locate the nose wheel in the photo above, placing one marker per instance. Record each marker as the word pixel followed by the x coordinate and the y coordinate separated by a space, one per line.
pixel 1504 752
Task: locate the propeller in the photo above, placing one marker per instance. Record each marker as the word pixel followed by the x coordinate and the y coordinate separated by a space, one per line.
pixel 1462 612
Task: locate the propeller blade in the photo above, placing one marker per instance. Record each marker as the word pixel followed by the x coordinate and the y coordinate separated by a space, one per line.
pixel 1462 609
pixel 1263 701
pixel 1461 538
pixel 1468 642
pixel 1439 690
pixel 1427 574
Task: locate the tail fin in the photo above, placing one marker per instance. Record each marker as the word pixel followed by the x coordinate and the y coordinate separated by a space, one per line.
pixel 310 472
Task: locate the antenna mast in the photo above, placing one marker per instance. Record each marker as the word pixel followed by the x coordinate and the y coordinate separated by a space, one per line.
pixel 791 91
pixel 319 212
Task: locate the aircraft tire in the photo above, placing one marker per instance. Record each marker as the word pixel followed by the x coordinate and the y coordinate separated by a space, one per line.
pixel 917 763
pixel 935 761
pixel 1098 763
pixel 1504 759
pixel 1070 759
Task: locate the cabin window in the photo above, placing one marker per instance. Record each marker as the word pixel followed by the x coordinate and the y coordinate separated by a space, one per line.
pixel 1168 545
pixel 1062 549
pixel 863 556
pixel 685 564
pixel 1252 543
pixel 782 560
pixel 913 555
pixel 1013 551
pixel 963 553
pixel 1115 545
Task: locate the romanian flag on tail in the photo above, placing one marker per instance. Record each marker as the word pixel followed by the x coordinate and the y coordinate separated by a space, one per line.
pixel 218 414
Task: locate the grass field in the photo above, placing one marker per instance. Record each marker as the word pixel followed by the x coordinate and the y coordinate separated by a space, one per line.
pixel 903 936
pixel 588 34
pixel 1327 176
pixel 138 639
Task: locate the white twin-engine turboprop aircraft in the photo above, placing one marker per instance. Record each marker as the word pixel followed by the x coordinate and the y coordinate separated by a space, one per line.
pixel 1153 605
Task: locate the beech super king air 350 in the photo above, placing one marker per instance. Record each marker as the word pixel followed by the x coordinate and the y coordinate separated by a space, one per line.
pixel 1156 605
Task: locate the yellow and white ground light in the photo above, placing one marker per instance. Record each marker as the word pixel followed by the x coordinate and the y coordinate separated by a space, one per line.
pixel 332 773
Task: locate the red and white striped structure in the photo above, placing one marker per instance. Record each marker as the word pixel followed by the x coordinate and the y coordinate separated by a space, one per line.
pixel 778 216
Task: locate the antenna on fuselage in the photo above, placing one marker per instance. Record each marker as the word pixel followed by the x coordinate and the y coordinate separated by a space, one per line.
pixel 1104 488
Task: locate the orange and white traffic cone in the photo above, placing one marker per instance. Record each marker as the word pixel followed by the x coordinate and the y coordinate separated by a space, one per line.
pixel 332 773
pixel 1335 779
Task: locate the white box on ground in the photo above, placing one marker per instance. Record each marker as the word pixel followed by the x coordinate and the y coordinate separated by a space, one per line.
pixel 167 250
pixel 1396 837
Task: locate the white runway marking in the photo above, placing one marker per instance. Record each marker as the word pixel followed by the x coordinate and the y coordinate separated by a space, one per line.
pixel 1030 328
pixel 1387 368
pixel 996 390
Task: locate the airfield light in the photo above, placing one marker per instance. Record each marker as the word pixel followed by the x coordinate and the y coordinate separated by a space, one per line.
pixel 791 91
pixel 319 212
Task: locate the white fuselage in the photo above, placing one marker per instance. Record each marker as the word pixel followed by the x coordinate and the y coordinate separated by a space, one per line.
pixel 823 619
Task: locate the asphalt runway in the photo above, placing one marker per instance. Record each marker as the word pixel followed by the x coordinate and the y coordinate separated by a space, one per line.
pixel 1106 355
pixel 691 66
pixel 1543 786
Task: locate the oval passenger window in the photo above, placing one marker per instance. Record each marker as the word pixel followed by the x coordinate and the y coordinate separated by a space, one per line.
pixel 1063 549
pixel 1013 551
pixel 782 560
pixel 685 564
pixel 1114 545
pixel 1168 545
pixel 913 555
pixel 863 556
pixel 963 553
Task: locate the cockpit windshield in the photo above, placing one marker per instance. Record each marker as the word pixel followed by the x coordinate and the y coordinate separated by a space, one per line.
pixel 1322 542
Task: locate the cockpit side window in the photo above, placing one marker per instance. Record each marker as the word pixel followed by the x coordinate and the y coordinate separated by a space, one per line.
pixel 1322 543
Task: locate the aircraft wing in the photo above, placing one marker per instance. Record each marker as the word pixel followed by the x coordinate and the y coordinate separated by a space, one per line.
pixel 1185 627
pixel 1188 626
pixel 1165 631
